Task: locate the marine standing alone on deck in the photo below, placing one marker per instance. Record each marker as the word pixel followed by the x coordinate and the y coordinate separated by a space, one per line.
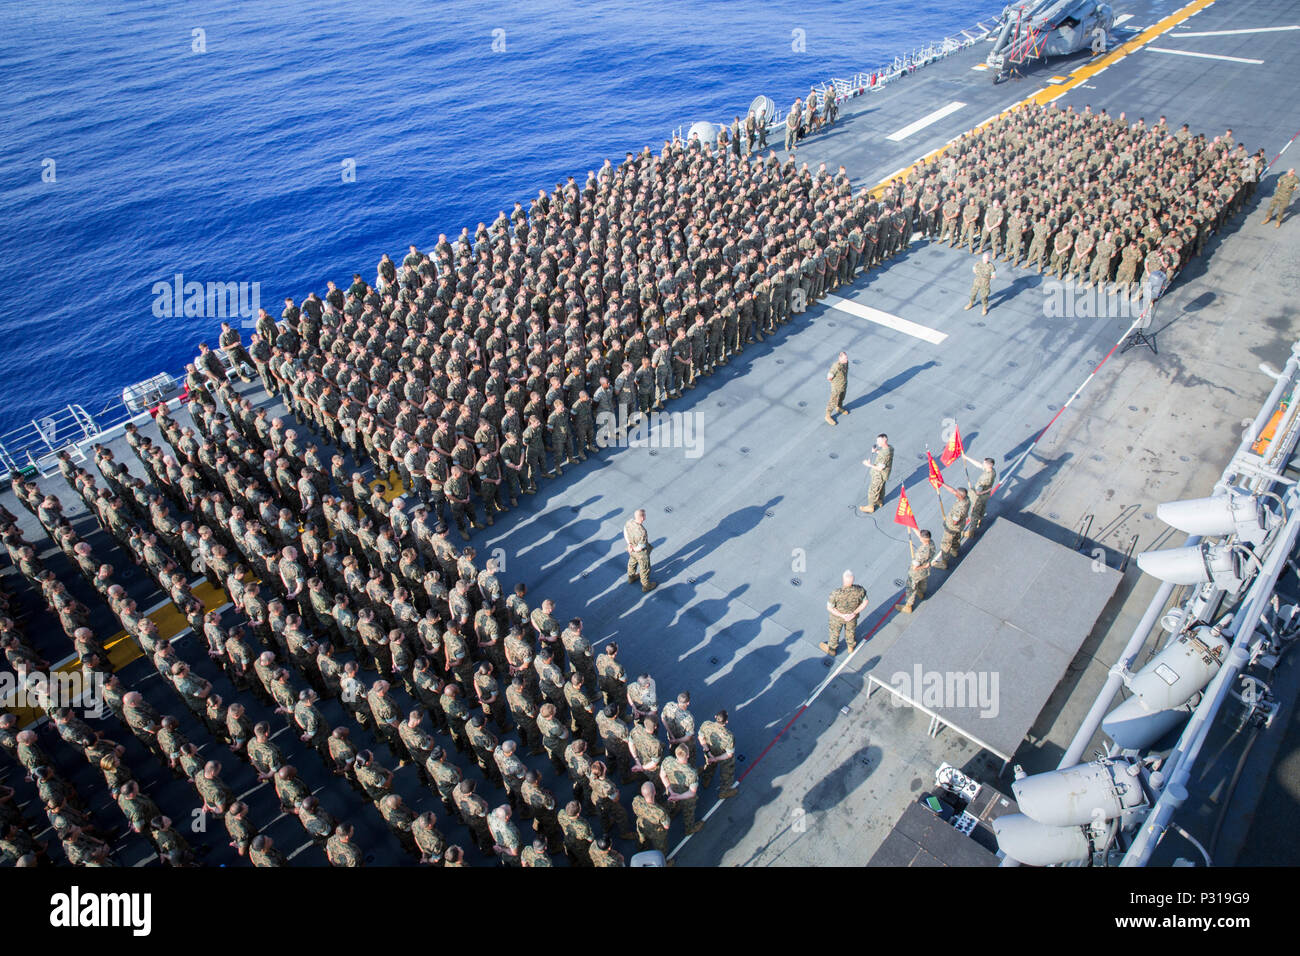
pixel 984 274
pixel 845 604
pixel 838 376
pixel 880 468
pixel 638 551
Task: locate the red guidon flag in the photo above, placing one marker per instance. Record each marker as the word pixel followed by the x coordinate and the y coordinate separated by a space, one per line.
pixel 953 450
pixel 904 513
pixel 935 478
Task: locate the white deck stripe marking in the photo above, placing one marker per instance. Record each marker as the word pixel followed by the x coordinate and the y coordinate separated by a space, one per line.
pixel 1122 18
pixel 687 839
pixel 933 336
pixel 1228 33
pixel 1204 56
pixel 925 121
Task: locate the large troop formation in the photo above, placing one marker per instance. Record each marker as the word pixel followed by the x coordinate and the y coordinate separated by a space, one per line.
pixel 314 609
pixel 1084 194
pixel 479 370
pixel 473 373
pixel 621 294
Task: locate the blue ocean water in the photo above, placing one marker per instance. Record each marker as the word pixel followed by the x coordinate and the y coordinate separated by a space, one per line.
pixel 227 164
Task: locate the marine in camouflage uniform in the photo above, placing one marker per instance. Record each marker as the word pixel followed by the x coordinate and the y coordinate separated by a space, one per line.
pixel 541 805
pixel 681 784
pixel 582 711
pixel 1062 246
pixel 1103 254
pixel 555 735
pixel 883 453
pixel 970 225
pixel 578 834
pixel 340 850
pixel 1282 192
pixel 242 830
pixel 982 491
pixel 444 776
pixel 1038 245
pixel 652 820
pixel 535 855
pixel 473 811
pixel 992 234
pixel 261 852
pixel 638 551
pixel 679 723
pixel 483 744
pixel 508 843
pixel 1015 236
pixel 984 275
pixel 614 738
pixel 1083 246
pixel 1126 276
pixel 605 797
pixel 918 573
pixel 845 604
pixel 523 710
pixel 610 675
pixel 951 213
pixel 603 854
pixel 838 376
pixel 511 769
pixel 457 490
pixel 376 780
pixel 953 526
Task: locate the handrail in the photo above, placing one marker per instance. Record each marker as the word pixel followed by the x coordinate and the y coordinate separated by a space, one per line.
pixel 38 443
pixel 875 80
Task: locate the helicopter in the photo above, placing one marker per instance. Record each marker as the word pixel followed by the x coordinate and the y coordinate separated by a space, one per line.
pixel 1032 31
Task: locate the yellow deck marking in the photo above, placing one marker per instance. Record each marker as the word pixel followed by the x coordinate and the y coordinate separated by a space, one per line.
pixel 392 488
pixel 122 649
